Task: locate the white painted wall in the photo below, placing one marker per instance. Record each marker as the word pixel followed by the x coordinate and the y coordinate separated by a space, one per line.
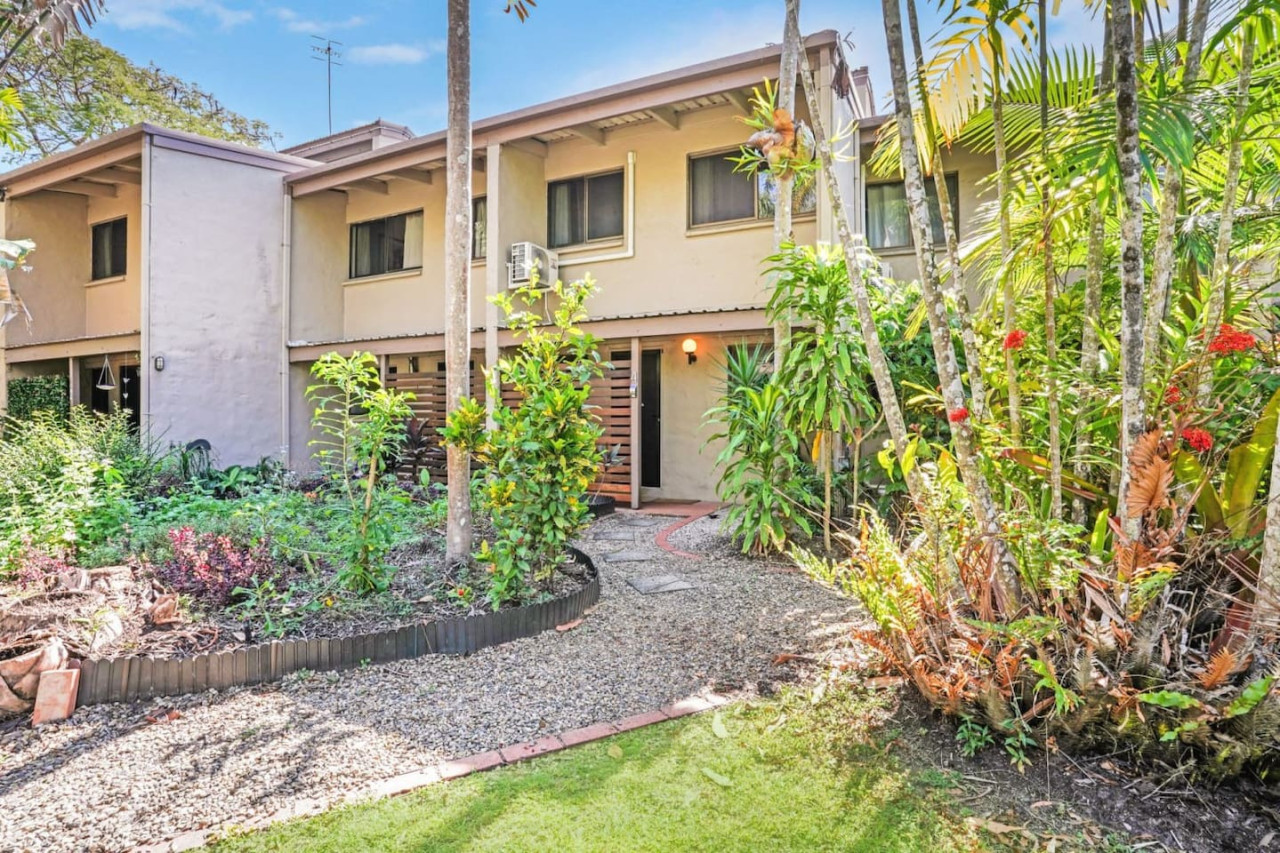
pixel 215 309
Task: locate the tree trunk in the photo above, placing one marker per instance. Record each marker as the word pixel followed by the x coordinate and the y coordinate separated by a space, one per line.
pixel 1132 406
pixel 1005 580
pixel 1089 343
pixel 1221 275
pixel 791 48
pixel 1006 250
pixel 1163 260
pixel 1269 570
pixel 1050 282
pixel 964 302
pixel 457 272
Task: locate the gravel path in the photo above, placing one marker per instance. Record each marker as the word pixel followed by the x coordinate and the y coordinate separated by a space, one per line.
pixel 106 780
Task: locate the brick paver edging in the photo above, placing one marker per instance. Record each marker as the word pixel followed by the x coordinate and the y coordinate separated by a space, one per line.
pixel 703 511
pixel 455 769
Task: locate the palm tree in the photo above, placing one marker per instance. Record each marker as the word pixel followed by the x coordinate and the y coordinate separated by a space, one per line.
pixel 968 335
pixel 972 58
pixel 1005 581
pixel 457 272
pixel 1129 157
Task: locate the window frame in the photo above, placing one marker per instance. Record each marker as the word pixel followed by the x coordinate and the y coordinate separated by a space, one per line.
pixel 475 218
pixel 93 245
pixel 755 219
pixel 585 177
pixel 351 245
pixel 953 188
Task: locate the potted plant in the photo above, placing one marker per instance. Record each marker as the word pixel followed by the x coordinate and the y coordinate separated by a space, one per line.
pixel 602 505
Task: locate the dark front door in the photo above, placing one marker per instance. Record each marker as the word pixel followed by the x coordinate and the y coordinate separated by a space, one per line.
pixel 131 394
pixel 651 419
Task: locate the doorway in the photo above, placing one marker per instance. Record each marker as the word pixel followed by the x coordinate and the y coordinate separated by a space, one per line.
pixel 651 419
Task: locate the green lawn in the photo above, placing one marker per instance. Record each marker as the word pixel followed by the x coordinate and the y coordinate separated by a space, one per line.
pixel 779 776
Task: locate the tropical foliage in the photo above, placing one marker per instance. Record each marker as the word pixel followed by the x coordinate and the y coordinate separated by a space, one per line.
pixel 541 454
pixel 1090 548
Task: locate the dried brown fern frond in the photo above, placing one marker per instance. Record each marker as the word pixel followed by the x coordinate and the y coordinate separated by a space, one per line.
pixel 1220 668
pixel 1149 487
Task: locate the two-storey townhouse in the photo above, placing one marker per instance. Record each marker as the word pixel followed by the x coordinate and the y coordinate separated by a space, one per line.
pixel 155 283
pixel 629 183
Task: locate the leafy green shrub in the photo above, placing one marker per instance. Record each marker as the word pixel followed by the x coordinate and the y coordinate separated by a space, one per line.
pixel 67 485
pixel 363 425
pixel 760 465
pixel 31 394
pixel 542 455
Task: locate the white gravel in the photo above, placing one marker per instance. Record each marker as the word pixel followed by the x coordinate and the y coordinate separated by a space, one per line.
pixel 106 780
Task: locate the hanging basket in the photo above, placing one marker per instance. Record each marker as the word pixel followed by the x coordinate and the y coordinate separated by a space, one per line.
pixel 106 379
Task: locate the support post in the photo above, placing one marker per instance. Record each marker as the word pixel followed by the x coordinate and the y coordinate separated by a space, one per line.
pixel 637 438
pixel 495 267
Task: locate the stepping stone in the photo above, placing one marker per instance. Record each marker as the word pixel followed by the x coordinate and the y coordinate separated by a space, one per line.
pixel 628 557
pixel 658 583
pixel 641 521
pixel 616 535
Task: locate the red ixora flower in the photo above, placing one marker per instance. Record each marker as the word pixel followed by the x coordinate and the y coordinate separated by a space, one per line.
pixel 1172 395
pixel 1015 339
pixel 1230 339
pixel 1197 439
pixel 958 415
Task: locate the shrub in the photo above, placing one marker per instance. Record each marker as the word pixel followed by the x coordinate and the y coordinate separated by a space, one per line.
pixel 542 455
pixel 31 394
pixel 362 426
pixel 210 567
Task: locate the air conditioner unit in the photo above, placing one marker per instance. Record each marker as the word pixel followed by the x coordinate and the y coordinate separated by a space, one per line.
pixel 525 258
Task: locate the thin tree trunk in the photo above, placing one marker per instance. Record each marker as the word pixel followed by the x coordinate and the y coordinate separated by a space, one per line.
pixel 1132 406
pixel 1089 343
pixel 1163 261
pixel 1221 275
pixel 964 301
pixel 1005 580
pixel 457 272
pixel 1006 251
pixel 791 48
pixel 1050 282
pixel 1269 570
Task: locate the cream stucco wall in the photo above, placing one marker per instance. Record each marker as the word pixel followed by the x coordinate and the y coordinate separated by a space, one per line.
pixel 113 306
pixel 675 268
pixel 318 266
pixel 215 304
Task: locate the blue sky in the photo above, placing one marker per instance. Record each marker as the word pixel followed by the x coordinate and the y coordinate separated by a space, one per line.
pixel 254 55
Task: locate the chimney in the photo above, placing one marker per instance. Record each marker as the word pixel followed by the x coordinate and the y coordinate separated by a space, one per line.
pixel 864 99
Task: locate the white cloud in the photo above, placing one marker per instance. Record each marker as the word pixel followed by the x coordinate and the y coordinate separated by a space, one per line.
pixel 392 54
pixel 169 14
pixel 295 23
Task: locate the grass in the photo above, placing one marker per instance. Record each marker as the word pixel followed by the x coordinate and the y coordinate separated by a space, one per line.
pixel 782 775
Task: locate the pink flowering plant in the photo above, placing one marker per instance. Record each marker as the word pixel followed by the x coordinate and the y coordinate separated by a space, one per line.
pixel 210 567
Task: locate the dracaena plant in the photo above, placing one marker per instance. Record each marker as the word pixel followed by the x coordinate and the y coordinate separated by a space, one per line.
pixel 542 453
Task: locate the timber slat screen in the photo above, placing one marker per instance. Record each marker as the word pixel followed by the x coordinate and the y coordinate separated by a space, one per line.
pixel 610 401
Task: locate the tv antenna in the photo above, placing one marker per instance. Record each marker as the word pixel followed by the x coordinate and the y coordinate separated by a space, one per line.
pixel 327 53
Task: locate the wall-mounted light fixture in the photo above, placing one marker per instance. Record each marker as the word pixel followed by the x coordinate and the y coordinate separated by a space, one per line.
pixel 158 363
pixel 690 348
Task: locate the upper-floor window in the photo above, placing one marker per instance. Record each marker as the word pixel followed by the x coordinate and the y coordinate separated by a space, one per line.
pixel 110 247
pixel 479 228
pixel 582 210
pixel 718 194
pixel 889 223
pixel 389 244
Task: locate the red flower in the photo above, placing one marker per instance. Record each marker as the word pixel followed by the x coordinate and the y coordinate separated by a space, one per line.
pixel 1230 339
pixel 1015 339
pixel 1172 395
pixel 958 415
pixel 1197 439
